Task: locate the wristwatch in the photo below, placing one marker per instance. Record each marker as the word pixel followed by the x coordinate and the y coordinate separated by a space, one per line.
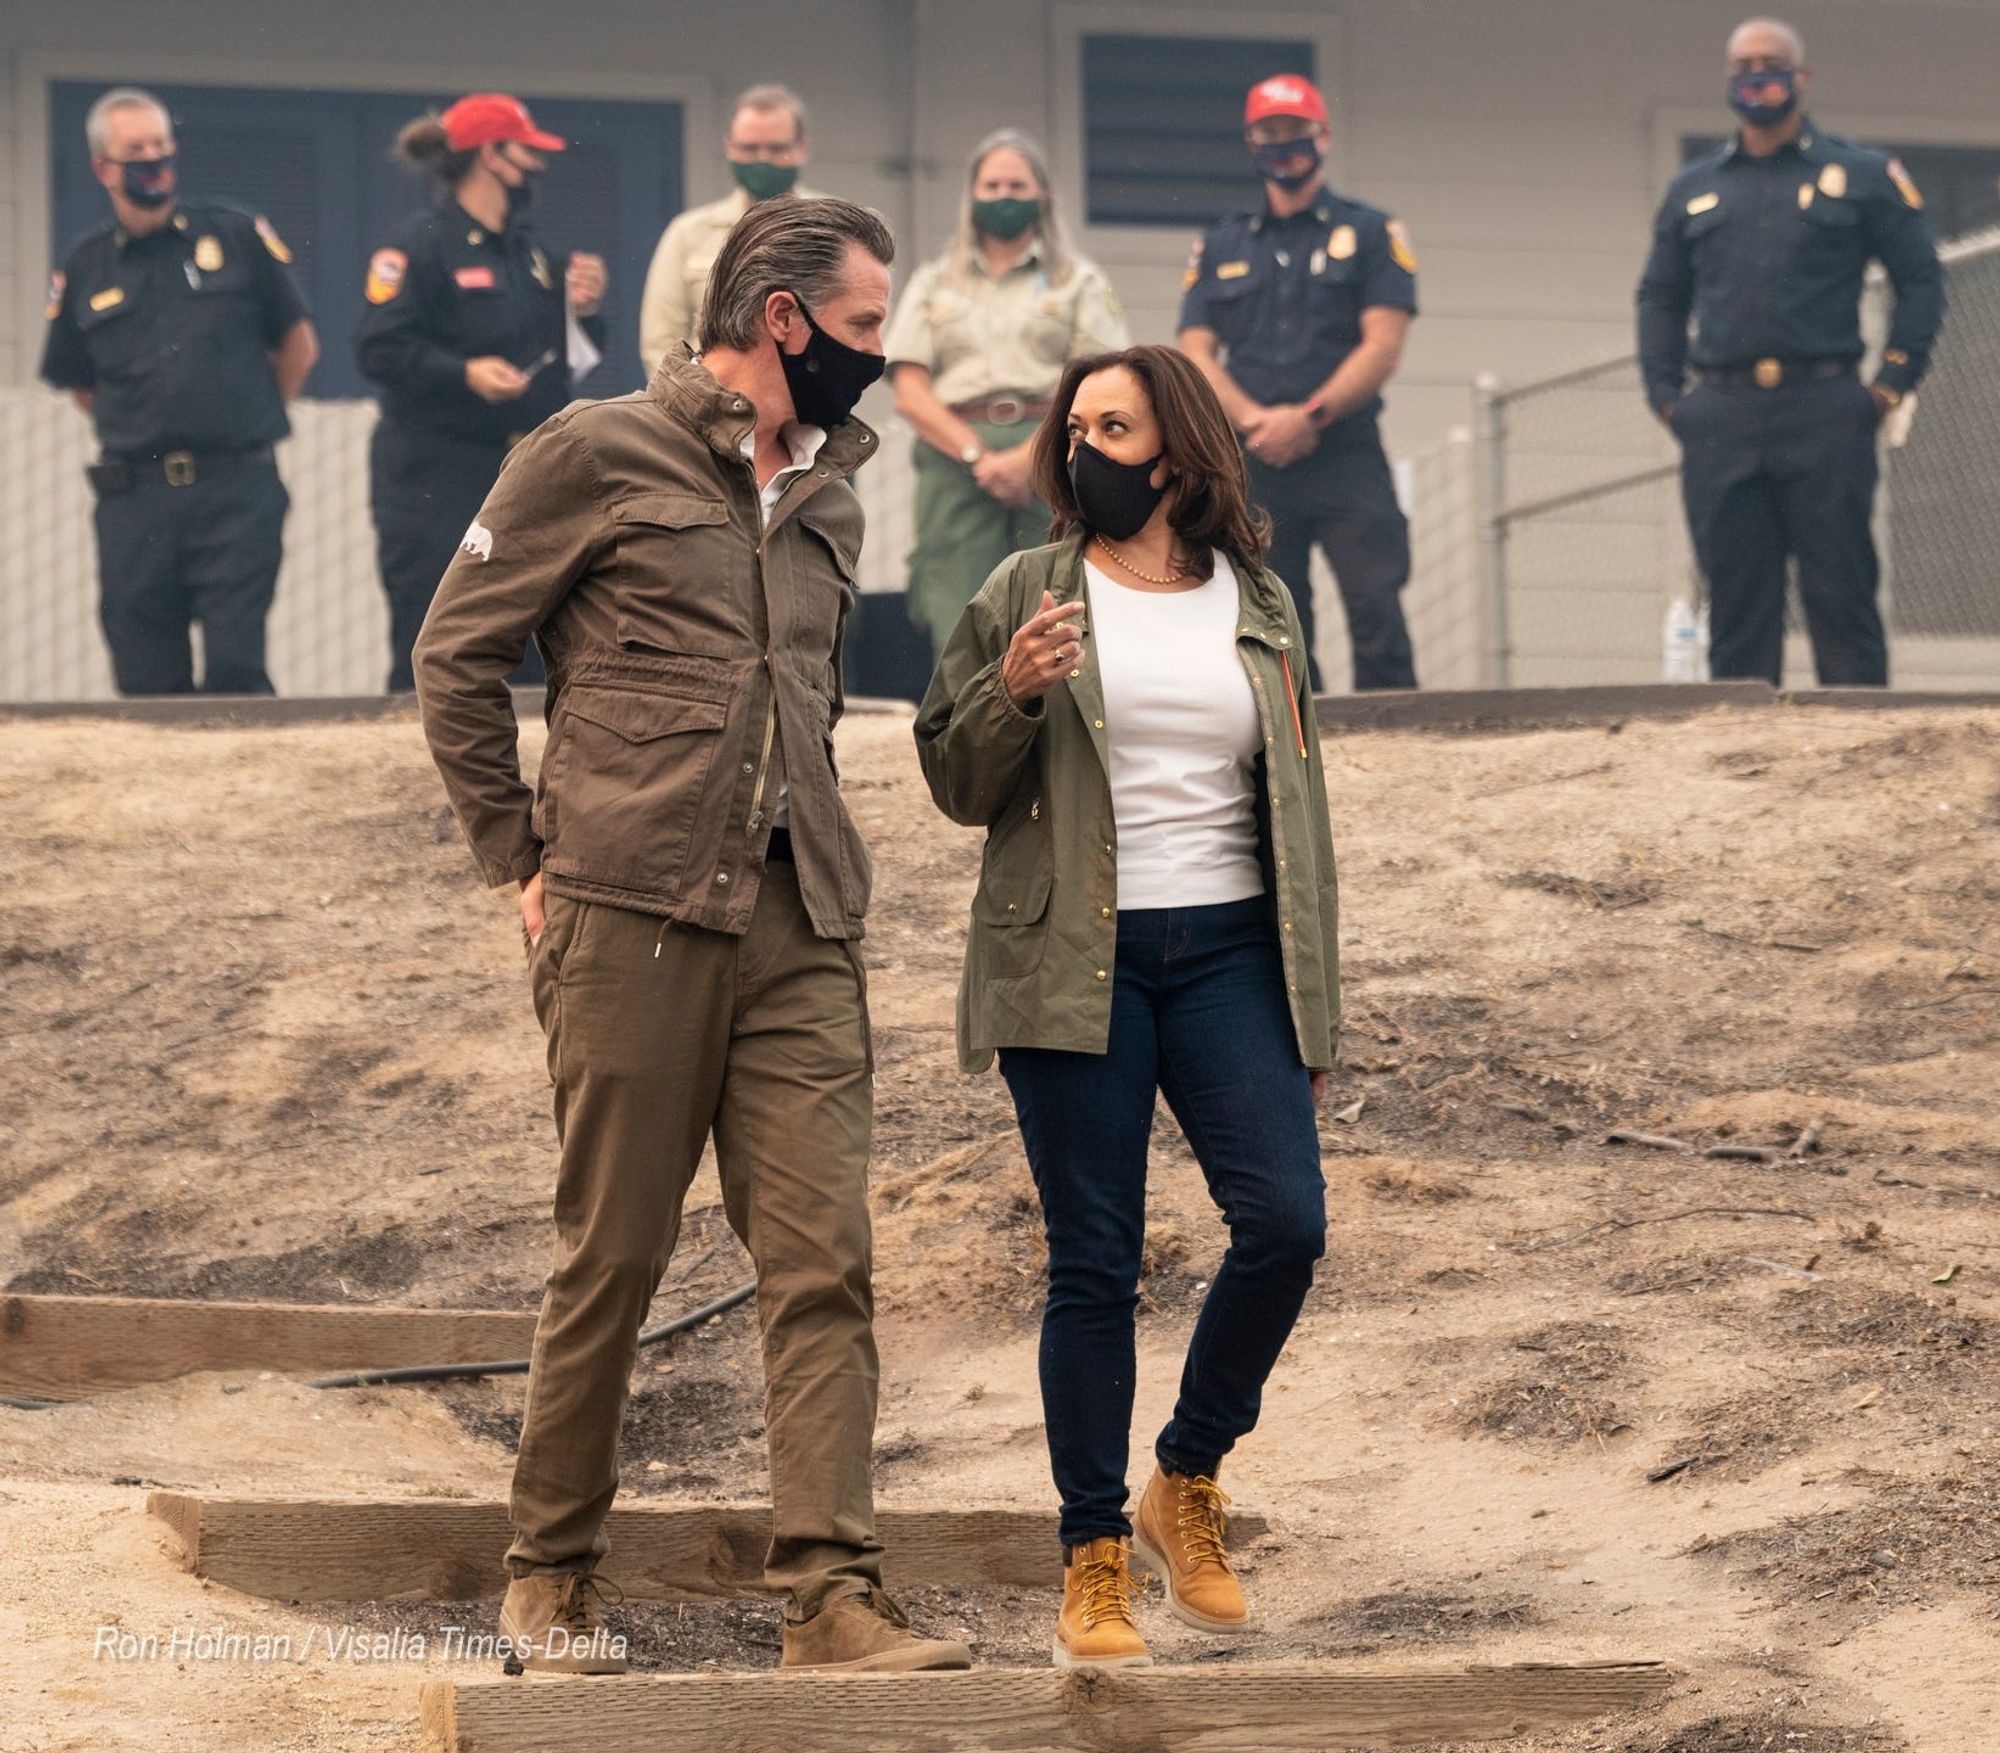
pixel 971 453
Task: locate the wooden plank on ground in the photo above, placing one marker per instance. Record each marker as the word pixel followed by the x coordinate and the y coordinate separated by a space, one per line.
pixel 66 1347
pixel 450 1549
pixel 1219 1709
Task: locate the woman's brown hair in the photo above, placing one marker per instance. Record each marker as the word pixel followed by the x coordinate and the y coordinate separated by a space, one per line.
pixel 423 145
pixel 1209 495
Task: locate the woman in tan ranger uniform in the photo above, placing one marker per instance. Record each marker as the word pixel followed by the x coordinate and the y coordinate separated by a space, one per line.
pixel 975 349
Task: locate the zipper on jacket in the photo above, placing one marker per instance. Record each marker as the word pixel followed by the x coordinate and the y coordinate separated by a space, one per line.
pixel 770 737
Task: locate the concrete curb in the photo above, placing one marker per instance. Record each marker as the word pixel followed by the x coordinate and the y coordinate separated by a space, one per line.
pixel 242 711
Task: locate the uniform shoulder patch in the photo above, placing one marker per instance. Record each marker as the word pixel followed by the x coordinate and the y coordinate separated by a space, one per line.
pixel 1905 184
pixel 385 275
pixel 1193 272
pixel 1399 246
pixel 53 308
pixel 272 241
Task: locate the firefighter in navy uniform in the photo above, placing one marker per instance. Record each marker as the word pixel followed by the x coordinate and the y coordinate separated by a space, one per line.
pixel 179 329
pixel 465 335
pixel 1297 315
pixel 1766 243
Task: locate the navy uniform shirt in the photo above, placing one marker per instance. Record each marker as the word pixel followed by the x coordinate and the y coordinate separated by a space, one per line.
pixel 450 289
pixel 173 332
pixel 1768 254
pixel 1285 296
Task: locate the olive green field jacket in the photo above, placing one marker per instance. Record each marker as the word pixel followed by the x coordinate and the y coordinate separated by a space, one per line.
pixel 1041 958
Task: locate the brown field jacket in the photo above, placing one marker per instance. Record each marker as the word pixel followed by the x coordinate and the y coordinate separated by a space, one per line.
pixel 693 660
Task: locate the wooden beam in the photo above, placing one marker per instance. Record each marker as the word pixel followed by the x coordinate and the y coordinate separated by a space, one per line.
pixel 1221 1709
pixel 450 1549
pixel 67 1347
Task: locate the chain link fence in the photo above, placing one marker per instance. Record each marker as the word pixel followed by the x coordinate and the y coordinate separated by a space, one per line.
pixel 1583 543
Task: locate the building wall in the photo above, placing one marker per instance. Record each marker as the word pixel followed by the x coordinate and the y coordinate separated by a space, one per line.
pixel 1524 143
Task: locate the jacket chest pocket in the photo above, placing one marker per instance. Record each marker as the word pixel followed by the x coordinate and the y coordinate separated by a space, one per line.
pixel 625 780
pixel 682 576
pixel 1831 230
pixel 115 337
pixel 825 585
pixel 1335 298
pixel 1703 234
pixel 1233 305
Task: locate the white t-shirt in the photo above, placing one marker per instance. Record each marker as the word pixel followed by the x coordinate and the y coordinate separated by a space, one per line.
pixel 1181 725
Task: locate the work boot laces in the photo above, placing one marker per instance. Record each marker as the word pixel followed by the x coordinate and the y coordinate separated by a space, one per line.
pixel 1104 1588
pixel 577 1602
pixel 1199 1516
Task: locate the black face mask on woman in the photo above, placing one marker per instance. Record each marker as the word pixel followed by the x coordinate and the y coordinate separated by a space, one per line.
pixel 827 378
pixel 1114 499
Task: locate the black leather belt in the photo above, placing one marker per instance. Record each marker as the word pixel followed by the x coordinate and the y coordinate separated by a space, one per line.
pixel 177 468
pixel 1771 374
pixel 780 846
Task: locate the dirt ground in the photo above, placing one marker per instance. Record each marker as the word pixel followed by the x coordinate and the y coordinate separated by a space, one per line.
pixel 1554 1397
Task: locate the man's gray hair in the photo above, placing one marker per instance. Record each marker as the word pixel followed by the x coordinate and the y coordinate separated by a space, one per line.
pixel 772 97
pixel 1794 42
pixel 97 125
pixel 791 246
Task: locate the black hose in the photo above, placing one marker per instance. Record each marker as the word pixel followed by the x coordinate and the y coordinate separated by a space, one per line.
pixel 518 1366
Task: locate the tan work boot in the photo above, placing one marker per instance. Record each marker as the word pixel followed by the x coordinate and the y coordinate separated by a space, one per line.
pixel 1177 1534
pixel 1096 1628
pixel 552 1622
pixel 870 1632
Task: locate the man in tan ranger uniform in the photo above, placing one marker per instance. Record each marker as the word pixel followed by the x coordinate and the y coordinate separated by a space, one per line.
pixel 691 893
pixel 767 148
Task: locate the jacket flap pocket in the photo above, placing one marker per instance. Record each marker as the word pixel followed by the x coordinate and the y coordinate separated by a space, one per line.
pixel 1834 215
pixel 1005 900
pixel 674 511
pixel 643 717
pixel 1700 224
pixel 845 558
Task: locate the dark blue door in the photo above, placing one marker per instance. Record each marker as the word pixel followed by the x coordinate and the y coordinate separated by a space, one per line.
pixel 318 165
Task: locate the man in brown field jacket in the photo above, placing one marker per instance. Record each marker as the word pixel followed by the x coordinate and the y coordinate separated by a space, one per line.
pixel 692 890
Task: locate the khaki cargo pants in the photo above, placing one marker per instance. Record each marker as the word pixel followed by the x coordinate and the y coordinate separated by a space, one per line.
pixel 658 1035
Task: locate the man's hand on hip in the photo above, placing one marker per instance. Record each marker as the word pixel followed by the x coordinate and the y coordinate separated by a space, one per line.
pixel 533 915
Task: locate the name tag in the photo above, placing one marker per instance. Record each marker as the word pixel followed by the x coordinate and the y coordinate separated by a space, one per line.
pixel 107 298
pixel 1231 270
pixel 474 279
pixel 1702 203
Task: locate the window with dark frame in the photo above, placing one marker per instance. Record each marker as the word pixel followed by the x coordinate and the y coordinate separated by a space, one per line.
pixel 1163 125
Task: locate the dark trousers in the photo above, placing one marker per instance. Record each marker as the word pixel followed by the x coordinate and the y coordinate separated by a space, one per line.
pixel 425 489
pixel 1771 473
pixel 1342 499
pixel 1198 1012
pixel 168 557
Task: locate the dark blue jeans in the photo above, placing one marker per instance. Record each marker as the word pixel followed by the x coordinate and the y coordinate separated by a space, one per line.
pixel 1198 1013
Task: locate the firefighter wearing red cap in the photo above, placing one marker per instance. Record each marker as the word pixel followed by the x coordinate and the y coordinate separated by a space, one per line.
pixel 1297 315
pixel 465 335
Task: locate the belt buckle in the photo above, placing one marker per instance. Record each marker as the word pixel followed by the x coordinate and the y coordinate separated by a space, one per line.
pixel 1769 373
pixel 1005 410
pixel 179 465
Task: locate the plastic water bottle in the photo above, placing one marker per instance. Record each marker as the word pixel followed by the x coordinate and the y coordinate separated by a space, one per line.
pixel 1680 644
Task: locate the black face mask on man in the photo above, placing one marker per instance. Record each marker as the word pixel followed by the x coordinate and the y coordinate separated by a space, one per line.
pixel 148 182
pixel 827 377
pixel 1764 99
pixel 1114 499
pixel 1291 164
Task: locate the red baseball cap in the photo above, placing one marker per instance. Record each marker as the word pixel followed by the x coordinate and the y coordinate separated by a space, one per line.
pixel 1284 94
pixel 489 118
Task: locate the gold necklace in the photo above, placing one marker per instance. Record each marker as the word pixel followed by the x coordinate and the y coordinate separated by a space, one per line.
pixel 1173 577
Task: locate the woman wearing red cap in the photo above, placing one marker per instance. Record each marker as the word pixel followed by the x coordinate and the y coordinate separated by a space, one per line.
pixel 465 336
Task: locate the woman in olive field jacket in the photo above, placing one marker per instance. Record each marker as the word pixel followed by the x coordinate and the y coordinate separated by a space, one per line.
pixel 1125 712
